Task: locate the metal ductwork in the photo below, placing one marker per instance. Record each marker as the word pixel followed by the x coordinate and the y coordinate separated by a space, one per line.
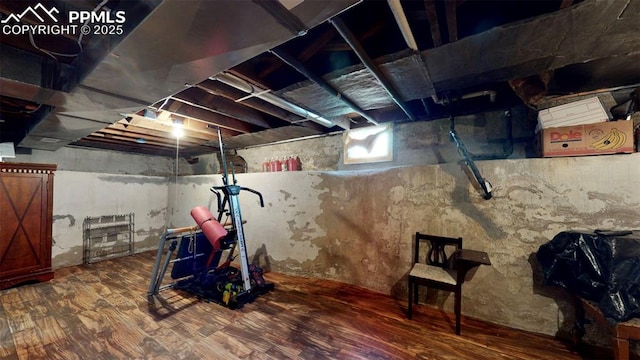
pixel 472 62
pixel 168 44
pixel 255 91
pixel 296 64
pixel 355 45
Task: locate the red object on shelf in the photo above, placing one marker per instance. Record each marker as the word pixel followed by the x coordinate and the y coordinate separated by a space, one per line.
pixel 265 165
pixel 298 164
pixel 275 165
pixel 291 164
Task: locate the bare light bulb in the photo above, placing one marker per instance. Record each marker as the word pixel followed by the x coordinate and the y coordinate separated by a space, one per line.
pixel 178 131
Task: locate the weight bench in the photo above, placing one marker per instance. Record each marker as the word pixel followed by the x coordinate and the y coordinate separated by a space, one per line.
pixel 622 332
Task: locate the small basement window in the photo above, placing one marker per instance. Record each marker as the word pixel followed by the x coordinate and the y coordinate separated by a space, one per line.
pixel 368 144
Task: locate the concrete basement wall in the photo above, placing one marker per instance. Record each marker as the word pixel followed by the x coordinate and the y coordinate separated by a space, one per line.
pixel 77 195
pixel 101 161
pixel 414 143
pixel 99 182
pixel 357 227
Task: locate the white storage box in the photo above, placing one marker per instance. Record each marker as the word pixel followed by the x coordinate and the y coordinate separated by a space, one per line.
pixel 587 111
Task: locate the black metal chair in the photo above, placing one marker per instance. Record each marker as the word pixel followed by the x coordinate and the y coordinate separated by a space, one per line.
pixel 443 266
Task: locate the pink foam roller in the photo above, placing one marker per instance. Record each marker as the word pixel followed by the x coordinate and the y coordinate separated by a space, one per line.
pixel 210 227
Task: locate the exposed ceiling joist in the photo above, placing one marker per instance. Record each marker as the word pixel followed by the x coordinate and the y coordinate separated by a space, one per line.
pixel 192 128
pixel 221 106
pixel 306 53
pixel 434 24
pixel 452 19
pixel 353 42
pixel 266 95
pixel 298 66
pixel 237 96
pixel 561 47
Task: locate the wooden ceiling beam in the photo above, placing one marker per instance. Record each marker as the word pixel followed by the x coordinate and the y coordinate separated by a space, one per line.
pixel 373 30
pixel 434 24
pixel 452 19
pixel 118 145
pixel 366 60
pixel 336 46
pixel 134 129
pixel 209 117
pixel 112 143
pixel 290 115
pixel 167 139
pixel 191 123
pixel 221 106
pixel 305 54
pixel 192 128
pixel 229 93
pixel 565 4
pixel 115 137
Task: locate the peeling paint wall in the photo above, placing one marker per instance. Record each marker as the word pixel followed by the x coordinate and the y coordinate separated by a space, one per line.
pixel 100 182
pixel 357 227
pixel 77 195
pixel 187 192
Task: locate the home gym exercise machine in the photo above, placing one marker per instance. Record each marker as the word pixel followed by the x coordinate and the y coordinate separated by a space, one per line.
pixel 197 266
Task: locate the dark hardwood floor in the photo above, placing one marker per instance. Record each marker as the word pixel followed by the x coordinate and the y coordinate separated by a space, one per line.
pixel 100 311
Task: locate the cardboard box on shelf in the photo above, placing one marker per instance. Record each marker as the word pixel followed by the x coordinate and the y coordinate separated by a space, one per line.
pixel 580 112
pixel 611 137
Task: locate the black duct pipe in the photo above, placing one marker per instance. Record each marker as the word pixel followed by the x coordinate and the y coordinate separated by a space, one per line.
pixel 484 184
pixel 468 157
pixel 296 64
pixel 507 146
pixel 355 45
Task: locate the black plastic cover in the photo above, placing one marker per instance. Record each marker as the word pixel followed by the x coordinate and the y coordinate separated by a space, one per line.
pixel 603 266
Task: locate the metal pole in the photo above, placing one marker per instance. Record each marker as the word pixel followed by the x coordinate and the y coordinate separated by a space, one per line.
pixel 237 219
pixel 153 285
pixel 223 159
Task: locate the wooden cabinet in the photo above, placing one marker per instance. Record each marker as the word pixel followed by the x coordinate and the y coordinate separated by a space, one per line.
pixel 26 211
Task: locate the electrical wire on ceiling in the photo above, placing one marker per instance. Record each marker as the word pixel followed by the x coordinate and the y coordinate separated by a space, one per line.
pixel 52 53
pixel 159 108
